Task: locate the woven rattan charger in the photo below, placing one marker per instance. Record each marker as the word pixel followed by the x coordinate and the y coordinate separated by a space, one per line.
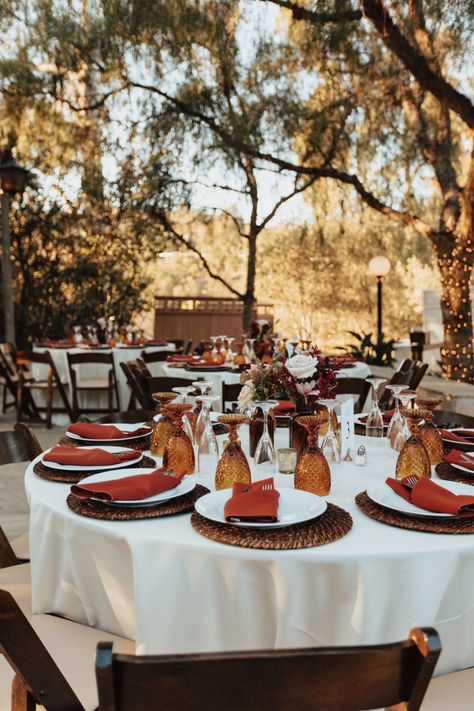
pixel 99 510
pixel 140 443
pixel 333 524
pixel 446 471
pixel 413 523
pixel 72 477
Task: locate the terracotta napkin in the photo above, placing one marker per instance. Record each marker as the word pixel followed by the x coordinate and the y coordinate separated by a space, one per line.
pixel 284 407
pixel 387 416
pixel 130 488
pixel 460 458
pixel 177 358
pixel 432 497
pixel 89 430
pixel 87 457
pixel 463 436
pixel 257 503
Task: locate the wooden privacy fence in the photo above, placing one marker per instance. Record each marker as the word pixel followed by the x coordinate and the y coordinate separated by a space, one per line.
pixel 195 318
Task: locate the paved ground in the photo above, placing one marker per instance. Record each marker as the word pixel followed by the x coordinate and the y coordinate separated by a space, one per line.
pixel 14 512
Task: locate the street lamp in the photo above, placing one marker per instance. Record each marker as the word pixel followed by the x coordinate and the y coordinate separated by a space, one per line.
pixel 379 267
pixel 12 180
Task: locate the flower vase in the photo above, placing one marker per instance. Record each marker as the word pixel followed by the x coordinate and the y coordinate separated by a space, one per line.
pixel 256 428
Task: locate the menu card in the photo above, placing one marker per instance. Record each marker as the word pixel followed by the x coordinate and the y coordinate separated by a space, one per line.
pixel 347 428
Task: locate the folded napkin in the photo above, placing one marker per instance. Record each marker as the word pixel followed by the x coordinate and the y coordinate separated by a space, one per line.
pixel 87 457
pixel 463 436
pixel 432 497
pixel 102 432
pixel 460 458
pixel 130 488
pixel 256 503
pixel 387 416
pixel 178 358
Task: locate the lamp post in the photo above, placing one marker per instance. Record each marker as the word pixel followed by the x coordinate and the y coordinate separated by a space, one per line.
pixel 379 267
pixel 12 180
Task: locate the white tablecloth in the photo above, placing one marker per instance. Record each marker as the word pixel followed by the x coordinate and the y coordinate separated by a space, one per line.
pixel 92 370
pixel 360 370
pixel 159 582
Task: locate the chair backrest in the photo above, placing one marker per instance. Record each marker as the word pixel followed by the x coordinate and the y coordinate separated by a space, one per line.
pixel 93 357
pixel 406 364
pixel 46 358
pixel 154 385
pixel 305 679
pixel 400 377
pixel 38 679
pixel 18 445
pixel 230 393
pixel 353 386
pixel 156 356
pixel 136 379
pixel 7 357
pixel 143 367
pixel 419 370
pixel 7 377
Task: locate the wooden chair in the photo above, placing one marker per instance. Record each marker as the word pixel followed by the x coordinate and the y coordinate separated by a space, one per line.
pixel 354 386
pixel 419 370
pixel 182 346
pixel 27 409
pixel 330 679
pixel 9 383
pixel 230 393
pixel 156 356
pixel 106 384
pixel 400 377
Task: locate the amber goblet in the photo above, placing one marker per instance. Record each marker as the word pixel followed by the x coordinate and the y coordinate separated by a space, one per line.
pixel 233 466
pixel 312 471
pixel 179 452
pixel 429 434
pixel 163 429
pixel 413 458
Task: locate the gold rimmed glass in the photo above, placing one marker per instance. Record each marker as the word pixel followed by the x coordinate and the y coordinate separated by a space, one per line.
pixel 163 429
pixel 179 453
pixel 413 459
pixel 312 470
pixel 233 466
pixel 429 434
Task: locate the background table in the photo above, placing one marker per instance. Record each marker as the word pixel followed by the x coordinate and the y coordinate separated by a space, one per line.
pixel 91 370
pixel 161 583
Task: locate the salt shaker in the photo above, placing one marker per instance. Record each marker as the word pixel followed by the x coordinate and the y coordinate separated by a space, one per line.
pixel 361 456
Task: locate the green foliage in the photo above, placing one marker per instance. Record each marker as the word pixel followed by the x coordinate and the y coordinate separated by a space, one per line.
pixel 374 352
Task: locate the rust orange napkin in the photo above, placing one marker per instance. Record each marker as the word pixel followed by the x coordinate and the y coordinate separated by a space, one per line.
pixel 179 358
pixel 89 430
pixel 257 503
pixel 460 458
pixel 284 407
pixel 430 496
pixel 130 488
pixel 463 436
pixel 87 457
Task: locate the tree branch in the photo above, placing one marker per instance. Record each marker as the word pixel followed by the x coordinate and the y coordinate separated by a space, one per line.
pixel 416 63
pixel 234 219
pixel 301 13
pixel 284 199
pixel 189 245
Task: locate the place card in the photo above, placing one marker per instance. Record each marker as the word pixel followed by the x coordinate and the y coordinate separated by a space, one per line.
pixel 347 428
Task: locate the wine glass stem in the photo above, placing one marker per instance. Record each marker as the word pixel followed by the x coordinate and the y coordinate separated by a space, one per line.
pixel 330 411
pixel 265 423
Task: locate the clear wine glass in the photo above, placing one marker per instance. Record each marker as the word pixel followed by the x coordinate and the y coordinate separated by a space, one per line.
pixel 330 444
pixel 206 401
pixel 230 353
pixel 374 424
pixel 396 420
pixel 183 392
pixel 398 438
pixel 252 356
pixel 208 449
pixel 265 457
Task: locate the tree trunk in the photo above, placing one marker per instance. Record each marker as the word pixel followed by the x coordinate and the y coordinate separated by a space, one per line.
pixel 7 273
pixel 455 265
pixel 250 303
pixel 250 311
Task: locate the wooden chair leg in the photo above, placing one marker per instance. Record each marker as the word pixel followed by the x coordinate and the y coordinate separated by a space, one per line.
pixel 19 400
pixel 49 404
pixel 21 698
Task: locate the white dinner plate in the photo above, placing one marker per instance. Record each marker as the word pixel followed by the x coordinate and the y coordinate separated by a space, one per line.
pixel 122 426
pixel 77 468
pixel 384 495
pixel 467 443
pixel 294 506
pixel 186 485
pixel 464 469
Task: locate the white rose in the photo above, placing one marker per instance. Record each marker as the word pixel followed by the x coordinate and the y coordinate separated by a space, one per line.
pixel 301 366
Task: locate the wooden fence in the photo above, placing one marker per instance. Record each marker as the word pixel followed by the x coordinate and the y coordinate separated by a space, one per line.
pixel 200 317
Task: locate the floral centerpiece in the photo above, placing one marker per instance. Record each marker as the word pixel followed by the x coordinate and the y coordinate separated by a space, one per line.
pixel 306 375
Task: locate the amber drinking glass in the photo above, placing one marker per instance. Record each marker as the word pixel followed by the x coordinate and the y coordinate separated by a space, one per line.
pixel 233 466
pixel 163 429
pixel 413 459
pixel 312 470
pixel 429 434
pixel 179 453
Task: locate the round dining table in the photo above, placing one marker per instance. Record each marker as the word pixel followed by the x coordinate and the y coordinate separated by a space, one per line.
pixel 162 584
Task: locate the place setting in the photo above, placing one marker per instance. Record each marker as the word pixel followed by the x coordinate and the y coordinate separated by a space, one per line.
pixel 84 434
pixel 71 464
